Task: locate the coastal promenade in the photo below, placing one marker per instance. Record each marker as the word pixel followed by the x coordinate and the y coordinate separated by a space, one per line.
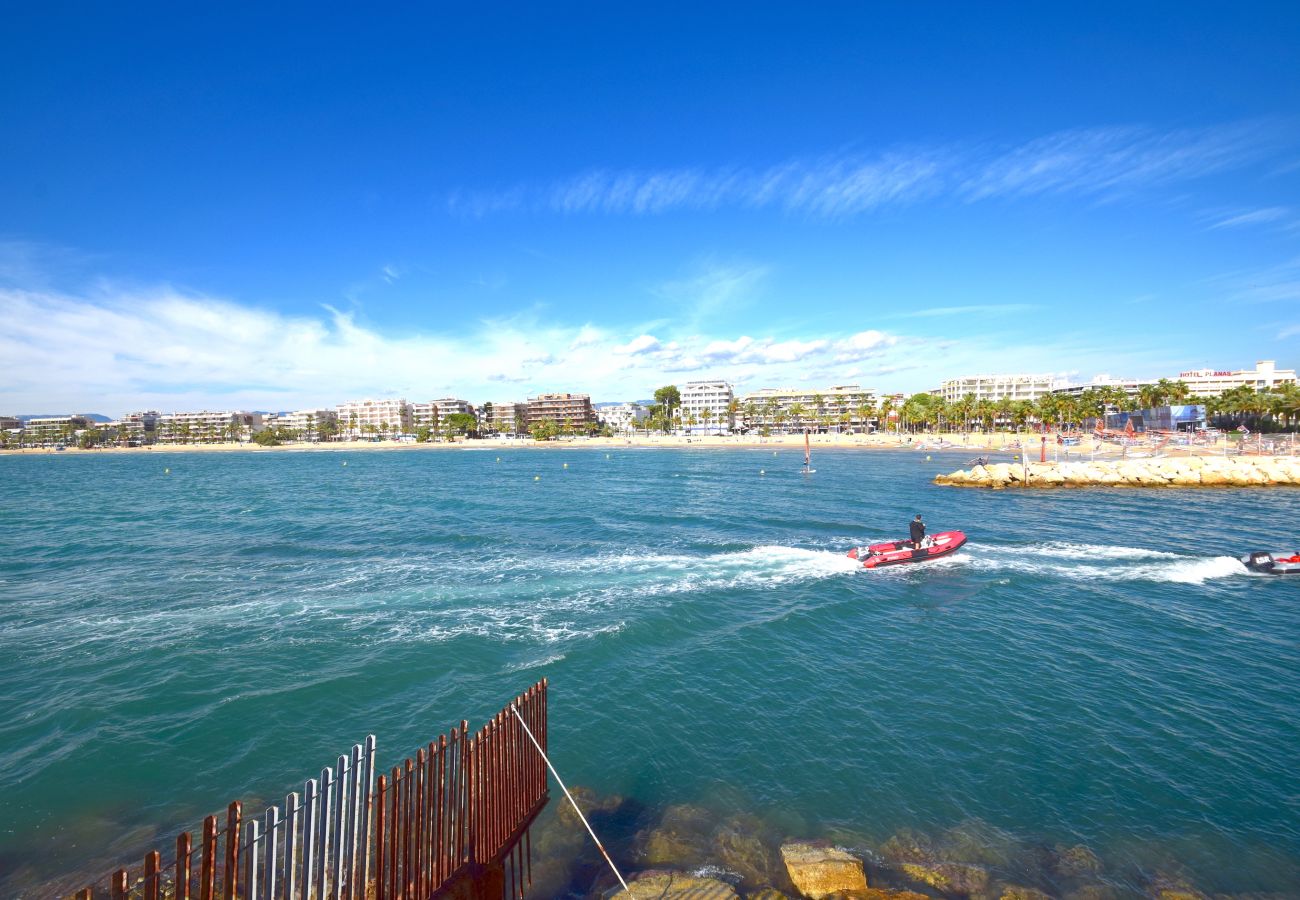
pixel 993 442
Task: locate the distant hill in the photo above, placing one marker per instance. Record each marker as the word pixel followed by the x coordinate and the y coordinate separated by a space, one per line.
pixel 94 417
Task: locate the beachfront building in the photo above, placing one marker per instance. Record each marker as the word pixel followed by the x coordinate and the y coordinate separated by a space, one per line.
pixel 1209 382
pixel 53 429
pixel 10 423
pixel 435 411
pixel 134 429
pixel 706 407
pixel 623 418
pixel 365 417
pixel 309 423
pixel 505 417
pixel 1130 386
pixel 568 411
pixel 839 407
pixel 995 387
pixel 208 427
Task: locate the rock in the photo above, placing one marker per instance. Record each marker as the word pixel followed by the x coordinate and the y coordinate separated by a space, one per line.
pixel 766 893
pixel 1076 862
pixel 1093 892
pixel 667 885
pixel 878 894
pixel 951 878
pixel 737 848
pixel 680 840
pixel 589 803
pixel 1020 892
pixel 818 870
pixel 908 846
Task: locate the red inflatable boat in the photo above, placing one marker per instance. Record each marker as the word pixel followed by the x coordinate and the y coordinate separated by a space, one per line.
pixel 894 552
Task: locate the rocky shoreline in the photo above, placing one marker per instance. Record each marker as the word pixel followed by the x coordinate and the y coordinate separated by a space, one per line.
pixel 1179 471
pixel 687 852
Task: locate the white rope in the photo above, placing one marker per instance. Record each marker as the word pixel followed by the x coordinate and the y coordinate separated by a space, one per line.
pixel 599 845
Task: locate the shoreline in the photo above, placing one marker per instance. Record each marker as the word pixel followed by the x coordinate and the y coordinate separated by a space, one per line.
pixel 948 442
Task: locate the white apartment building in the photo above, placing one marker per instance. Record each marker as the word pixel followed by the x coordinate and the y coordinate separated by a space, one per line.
pixel 308 422
pixel 1265 376
pixel 54 428
pixel 356 416
pixel 708 404
pixel 995 387
pixel 1129 386
pixel 800 408
pixel 435 411
pixel 506 417
pixel 623 418
pixel 206 425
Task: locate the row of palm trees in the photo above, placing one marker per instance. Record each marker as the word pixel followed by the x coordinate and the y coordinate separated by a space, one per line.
pixel 1268 410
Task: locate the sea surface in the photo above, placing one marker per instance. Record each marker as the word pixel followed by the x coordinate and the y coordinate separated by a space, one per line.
pixel 182 629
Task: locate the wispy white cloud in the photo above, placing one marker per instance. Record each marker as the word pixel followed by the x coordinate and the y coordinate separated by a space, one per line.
pixel 979 309
pixel 1105 162
pixel 1264 285
pixel 1263 216
pixel 126 348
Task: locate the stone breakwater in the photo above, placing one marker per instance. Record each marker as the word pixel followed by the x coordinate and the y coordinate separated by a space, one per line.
pixel 1178 471
pixel 685 852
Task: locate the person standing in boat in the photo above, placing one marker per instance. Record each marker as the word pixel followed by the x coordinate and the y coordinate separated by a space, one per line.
pixel 918 531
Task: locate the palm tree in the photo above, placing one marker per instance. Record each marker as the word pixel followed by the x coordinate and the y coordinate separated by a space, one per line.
pixel 797 414
pixel 751 414
pixel 865 410
pixel 706 415
pixel 886 408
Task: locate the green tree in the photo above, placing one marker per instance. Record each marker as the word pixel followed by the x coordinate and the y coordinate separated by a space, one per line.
pixel 461 424
pixel 545 430
pixel 670 399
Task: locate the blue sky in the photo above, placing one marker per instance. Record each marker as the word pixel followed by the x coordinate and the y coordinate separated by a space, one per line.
pixel 245 207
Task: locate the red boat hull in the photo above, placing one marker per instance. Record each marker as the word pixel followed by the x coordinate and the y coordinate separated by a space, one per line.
pixel 896 552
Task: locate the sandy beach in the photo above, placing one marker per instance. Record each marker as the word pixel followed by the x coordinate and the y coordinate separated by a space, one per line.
pixel 979 443
pixel 999 442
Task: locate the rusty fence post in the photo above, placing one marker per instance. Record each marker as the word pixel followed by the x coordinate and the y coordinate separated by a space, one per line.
pixel 117 885
pixel 152 875
pixel 233 814
pixel 208 863
pixel 184 844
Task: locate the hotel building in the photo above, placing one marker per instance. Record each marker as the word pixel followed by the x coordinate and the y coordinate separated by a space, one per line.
pixel 1129 386
pixel 506 418
pixel 797 409
pixel 208 426
pixel 565 410
pixel 355 416
pixel 307 422
pixel 995 387
pixel 623 418
pixel 1265 376
pixel 708 404
pixel 47 429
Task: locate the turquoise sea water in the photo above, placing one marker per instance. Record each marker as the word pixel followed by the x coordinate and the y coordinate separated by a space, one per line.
pixel 1094 668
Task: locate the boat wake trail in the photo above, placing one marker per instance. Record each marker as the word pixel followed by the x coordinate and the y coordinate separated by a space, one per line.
pixel 1096 562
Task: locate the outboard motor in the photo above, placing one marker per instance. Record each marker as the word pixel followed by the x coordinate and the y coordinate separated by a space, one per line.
pixel 1259 561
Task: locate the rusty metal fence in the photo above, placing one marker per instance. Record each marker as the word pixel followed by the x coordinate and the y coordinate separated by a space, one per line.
pixel 464 803
pixel 462 806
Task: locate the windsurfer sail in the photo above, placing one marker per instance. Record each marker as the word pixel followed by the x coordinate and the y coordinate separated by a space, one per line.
pixel 807 453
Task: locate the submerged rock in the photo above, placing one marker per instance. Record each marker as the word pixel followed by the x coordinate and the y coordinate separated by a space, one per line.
pixel 1020 892
pixel 737 847
pixel 680 839
pixel 1076 862
pixel 951 878
pixel 819 870
pixel 667 885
